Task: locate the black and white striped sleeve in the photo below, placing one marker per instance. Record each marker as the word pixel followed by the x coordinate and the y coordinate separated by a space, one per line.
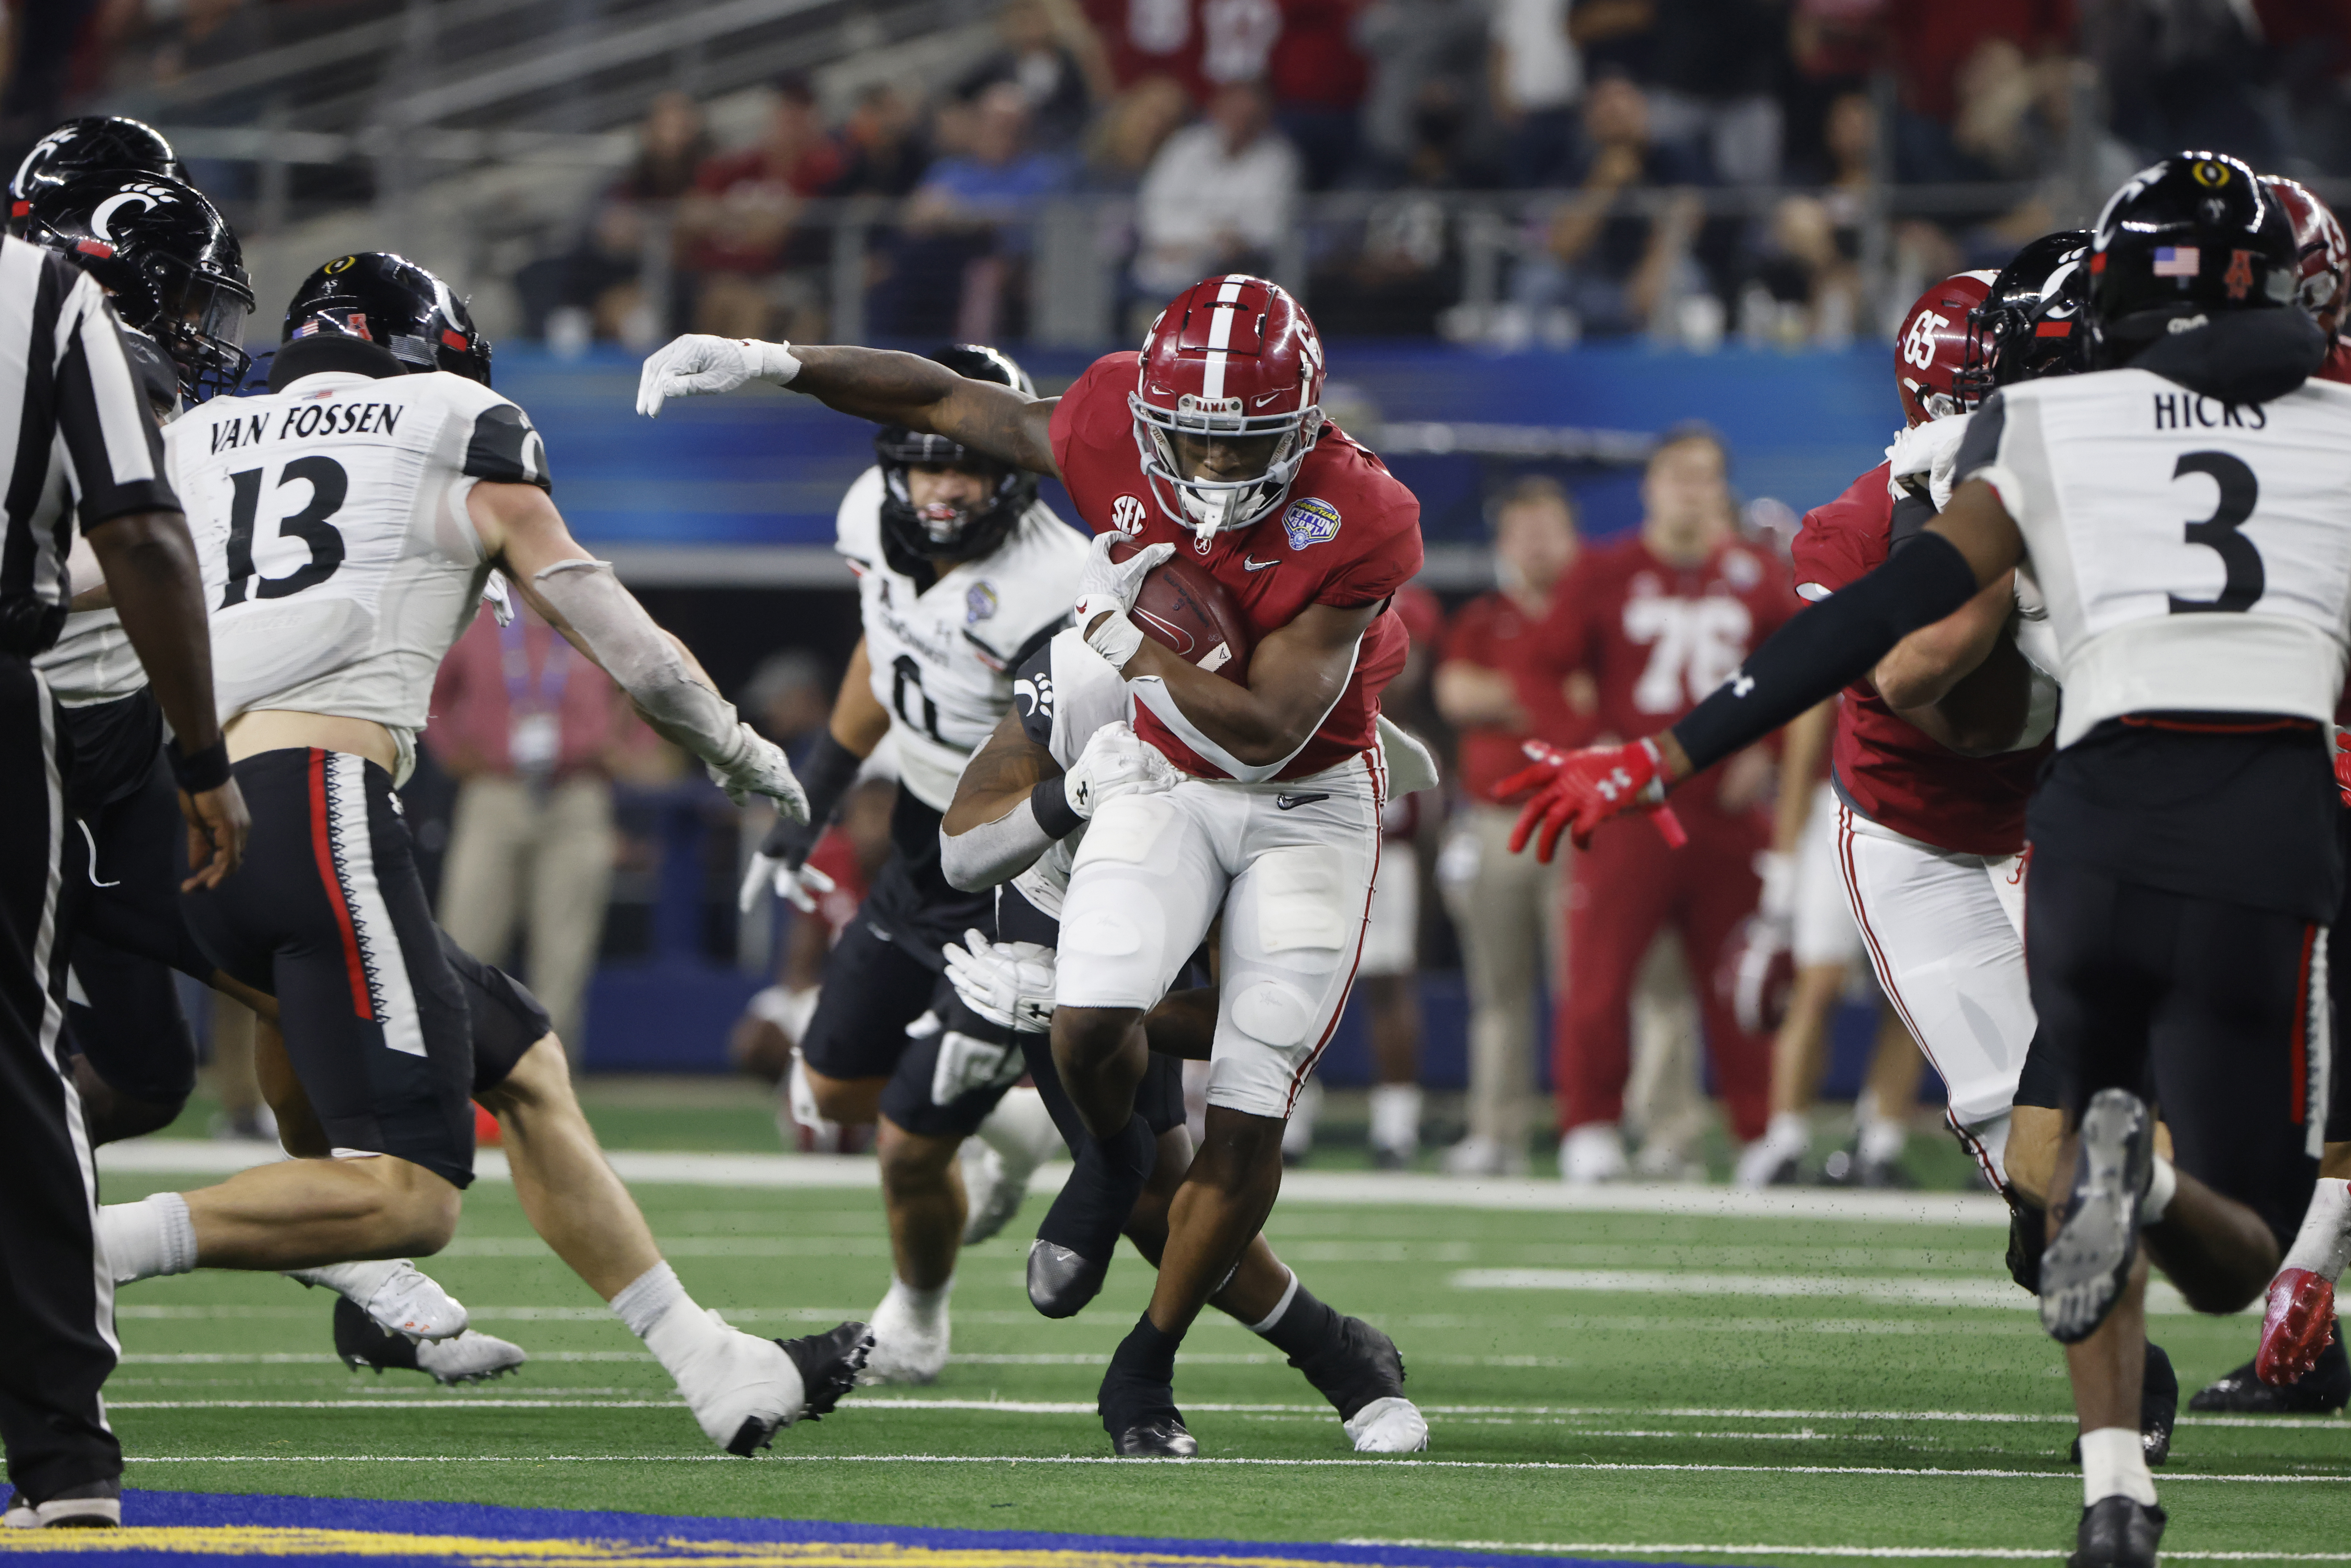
pixel 112 450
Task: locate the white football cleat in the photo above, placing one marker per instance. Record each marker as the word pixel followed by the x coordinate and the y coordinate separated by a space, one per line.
pixel 401 1297
pixel 909 1346
pixel 467 1357
pixel 1592 1153
pixel 1391 1426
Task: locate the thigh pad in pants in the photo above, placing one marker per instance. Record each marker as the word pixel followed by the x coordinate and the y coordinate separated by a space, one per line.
pixel 1146 883
pixel 1293 928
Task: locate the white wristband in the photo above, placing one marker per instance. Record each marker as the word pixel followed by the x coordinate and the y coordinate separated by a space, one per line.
pixel 1114 637
pixel 773 362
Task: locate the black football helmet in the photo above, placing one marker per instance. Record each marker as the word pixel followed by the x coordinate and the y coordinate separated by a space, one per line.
pixel 396 304
pixel 2029 325
pixel 83 146
pixel 911 537
pixel 158 376
pixel 167 256
pixel 2193 235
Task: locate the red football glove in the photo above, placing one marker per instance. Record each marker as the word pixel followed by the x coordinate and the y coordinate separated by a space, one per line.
pixel 1575 791
pixel 2342 765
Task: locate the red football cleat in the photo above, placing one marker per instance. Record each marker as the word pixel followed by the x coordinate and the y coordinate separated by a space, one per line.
pixel 2298 1325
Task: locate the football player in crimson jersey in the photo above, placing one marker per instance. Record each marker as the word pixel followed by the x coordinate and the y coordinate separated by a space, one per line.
pixel 1212 440
pixel 1657 620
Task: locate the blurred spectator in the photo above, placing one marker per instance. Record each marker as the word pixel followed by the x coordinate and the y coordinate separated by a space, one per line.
pixel 1609 266
pixel 735 227
pixel 2310 42
pixel 1715 70
pixel 1219 197
pixel 1049 74
pixel 1406 272
pixel 1410 43
pixel 880 147
pixel 534 735
pixel 789 696
pixel 1131 131
pixel 964 230
pixel 1536 76
pixel 1808 283
pixel 671 145
pixel 1148 37
pixel 592 290
pixel 2188 73
pixel 1506 909
pixel 1317 78
pixel 1236 39
pixel 1929 44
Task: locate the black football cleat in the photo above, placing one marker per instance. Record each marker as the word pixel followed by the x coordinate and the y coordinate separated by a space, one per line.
pixel 2117 1532
pixel 2159 1408
pixel 828 1364
pixel 2323 1391
pixel 1061 1283
pixel 2087 1263
pixel 1161 1438
pixel 1358 1365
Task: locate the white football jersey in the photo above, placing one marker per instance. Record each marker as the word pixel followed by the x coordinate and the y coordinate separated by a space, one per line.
pixel 339 560
pixel 2194 556
pixel 1073 691
pixel 943 657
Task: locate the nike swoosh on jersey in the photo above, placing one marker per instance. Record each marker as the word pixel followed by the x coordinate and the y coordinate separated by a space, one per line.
pixel 1248 565
pixel 1292 802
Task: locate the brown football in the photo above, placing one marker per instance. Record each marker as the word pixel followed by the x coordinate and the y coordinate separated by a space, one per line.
pixel 1183 607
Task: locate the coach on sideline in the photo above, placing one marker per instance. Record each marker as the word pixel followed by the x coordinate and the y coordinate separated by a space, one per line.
pixel 75 437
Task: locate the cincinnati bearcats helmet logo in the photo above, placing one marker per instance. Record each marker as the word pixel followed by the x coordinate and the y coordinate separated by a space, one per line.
pixel 145 195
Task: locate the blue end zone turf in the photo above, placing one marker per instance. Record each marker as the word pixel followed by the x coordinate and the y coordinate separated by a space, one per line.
pixel 172 1527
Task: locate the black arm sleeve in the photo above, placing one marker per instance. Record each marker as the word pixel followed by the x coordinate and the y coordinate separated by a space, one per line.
pixel 115 452
pixel 1828 646
pixel 831 768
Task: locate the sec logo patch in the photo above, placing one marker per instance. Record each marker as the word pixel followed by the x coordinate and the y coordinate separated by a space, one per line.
pixel 1310 522
pixel 1127 513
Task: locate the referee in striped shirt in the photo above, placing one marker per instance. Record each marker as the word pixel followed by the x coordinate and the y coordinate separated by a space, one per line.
pixel 77 449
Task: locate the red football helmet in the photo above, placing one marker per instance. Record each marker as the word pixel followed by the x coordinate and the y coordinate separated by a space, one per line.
pixel 1932 349
pixel 2325 258
pixel 1233 356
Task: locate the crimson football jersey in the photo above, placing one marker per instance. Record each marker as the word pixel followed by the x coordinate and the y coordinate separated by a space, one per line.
pixel 1656 638
pixel 1348 536
pixel 1886 767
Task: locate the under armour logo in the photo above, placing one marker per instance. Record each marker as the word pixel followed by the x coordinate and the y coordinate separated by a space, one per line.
pixel 1617 782
pixel 1742 684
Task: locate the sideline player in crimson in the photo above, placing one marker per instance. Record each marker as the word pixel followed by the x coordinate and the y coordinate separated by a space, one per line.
pixel 1211 441
pixel 1657 620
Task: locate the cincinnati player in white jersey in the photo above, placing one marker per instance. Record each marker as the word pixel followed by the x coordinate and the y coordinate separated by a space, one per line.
pixel 347 523
pixel 2185 513
pixel 1069 737
pixel 961 573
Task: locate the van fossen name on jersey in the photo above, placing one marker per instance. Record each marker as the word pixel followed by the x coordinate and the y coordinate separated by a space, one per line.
pixel 310 418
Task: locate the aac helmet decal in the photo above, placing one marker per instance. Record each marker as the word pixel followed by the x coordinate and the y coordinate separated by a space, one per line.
pixel 2209 171
pixel 341 264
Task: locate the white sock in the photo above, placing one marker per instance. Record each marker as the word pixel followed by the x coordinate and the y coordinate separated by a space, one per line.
pixel 148 1239
pixel 1396 1117
pixel 923 1306
pixel 2162 1186
pixel 1880 1137
pixel 2323 1245
pixel 659 1311
pixel 1790 1132
pixel 1021 1132
pixel 2114 1464
pixel 1289 1294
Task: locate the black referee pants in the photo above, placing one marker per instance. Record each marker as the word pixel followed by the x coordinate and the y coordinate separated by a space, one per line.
pixel 57 1295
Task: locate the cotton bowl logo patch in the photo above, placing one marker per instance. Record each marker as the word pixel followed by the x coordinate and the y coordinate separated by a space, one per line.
pixel 1310 522
pixel 979 603
pixel 1127 513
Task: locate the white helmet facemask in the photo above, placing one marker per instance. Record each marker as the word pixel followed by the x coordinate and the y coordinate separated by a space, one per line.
pixel 1210 507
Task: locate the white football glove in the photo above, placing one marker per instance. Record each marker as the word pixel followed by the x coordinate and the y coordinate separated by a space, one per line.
pixel 1007 983
pixel 1116 761
pixel 758 765
pixel 801 886
pixel 697 364
pixel 1107 588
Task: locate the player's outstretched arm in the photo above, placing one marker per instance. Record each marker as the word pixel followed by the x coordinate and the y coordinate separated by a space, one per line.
pixel 1974 543
pixel 152 576
pixel 1296 676
pixel 1014 801
pixel 580 597
pixel 886 387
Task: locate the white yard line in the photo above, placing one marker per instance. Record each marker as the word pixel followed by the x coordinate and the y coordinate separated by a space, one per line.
pixel 1991 1293
pixel 1920 1473
pixel 1340 1188
pixel 2021 1553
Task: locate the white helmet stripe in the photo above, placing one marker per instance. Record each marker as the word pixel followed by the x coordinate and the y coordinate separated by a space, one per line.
pixel 1220 335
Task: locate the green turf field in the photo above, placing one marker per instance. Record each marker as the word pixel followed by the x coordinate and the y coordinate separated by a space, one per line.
pixel 1628 1382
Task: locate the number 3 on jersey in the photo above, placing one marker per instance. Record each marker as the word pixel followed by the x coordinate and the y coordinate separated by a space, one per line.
pixel 328 486
pixel 2240 491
